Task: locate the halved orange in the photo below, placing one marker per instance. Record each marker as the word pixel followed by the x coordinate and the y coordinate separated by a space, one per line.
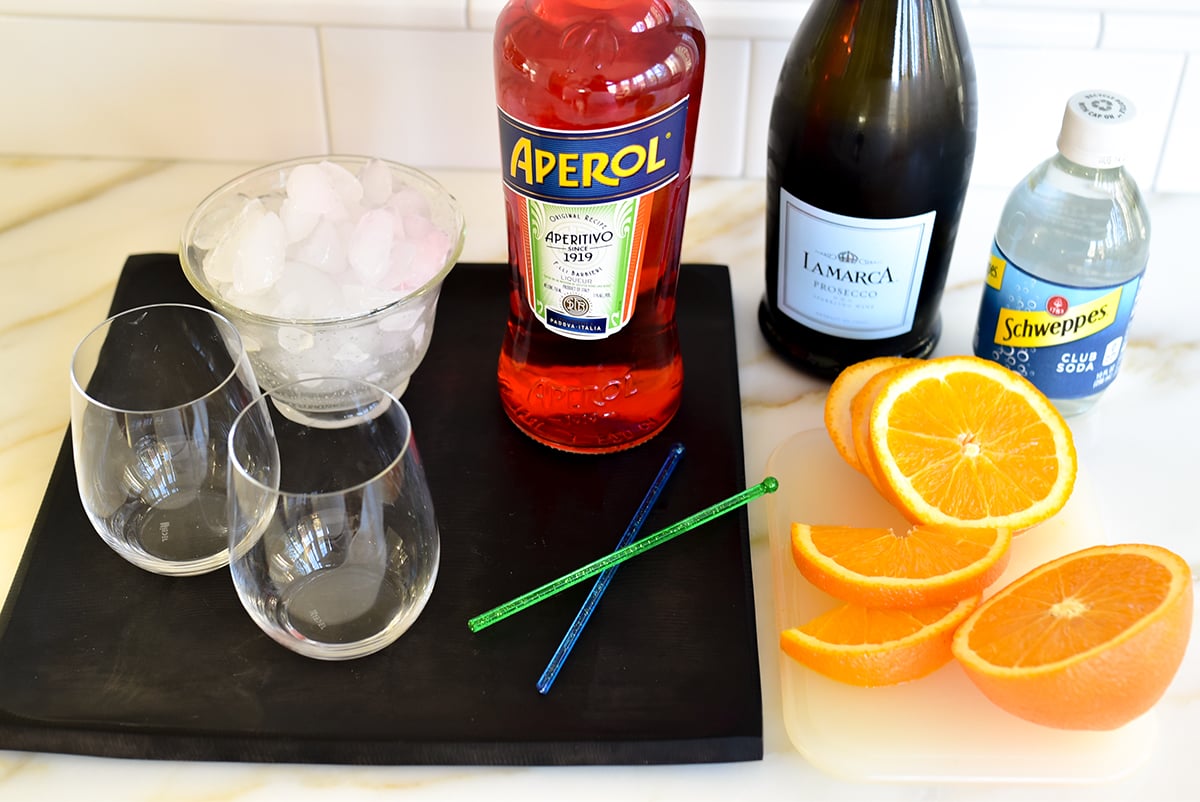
pixel 960 441
pixel 1088 641
pixel 870 647
pixel 880 567
pixel 838 399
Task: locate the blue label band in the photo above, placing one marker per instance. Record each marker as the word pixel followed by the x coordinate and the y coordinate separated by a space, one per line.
pixel 1066 340
pixel 585 167
pixel 576 325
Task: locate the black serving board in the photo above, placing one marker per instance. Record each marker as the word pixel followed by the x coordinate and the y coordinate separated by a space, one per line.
pixel 98 657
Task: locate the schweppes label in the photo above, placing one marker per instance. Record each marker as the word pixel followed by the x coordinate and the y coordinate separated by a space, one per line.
pixel 582 202
pixel 1057 324
pixel 1067 340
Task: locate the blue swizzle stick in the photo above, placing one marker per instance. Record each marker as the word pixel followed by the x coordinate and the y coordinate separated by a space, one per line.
pixel 593 599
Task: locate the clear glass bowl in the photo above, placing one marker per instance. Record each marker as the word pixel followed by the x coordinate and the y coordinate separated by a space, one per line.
pixel 381 337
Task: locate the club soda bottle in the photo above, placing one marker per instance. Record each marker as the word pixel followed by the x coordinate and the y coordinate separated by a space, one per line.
pixel 1067 261
pixel 598 102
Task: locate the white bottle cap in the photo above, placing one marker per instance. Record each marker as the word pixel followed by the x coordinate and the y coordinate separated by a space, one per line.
pixel 1096 128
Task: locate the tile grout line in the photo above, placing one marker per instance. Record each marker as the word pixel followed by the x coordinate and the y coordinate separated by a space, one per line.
pixel 326 116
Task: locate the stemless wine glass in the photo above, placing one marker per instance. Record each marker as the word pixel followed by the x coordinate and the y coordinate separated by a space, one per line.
pixel 154 393
pixel 333 539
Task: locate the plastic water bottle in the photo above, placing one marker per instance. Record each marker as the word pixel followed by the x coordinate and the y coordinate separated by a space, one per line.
pixel 1068 259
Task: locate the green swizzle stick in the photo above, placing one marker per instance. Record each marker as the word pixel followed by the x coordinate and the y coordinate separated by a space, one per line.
pixel 484 620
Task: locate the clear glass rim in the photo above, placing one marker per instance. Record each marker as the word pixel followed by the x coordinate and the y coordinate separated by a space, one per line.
pixel 266 397
pixel 223 322
pixel 195 273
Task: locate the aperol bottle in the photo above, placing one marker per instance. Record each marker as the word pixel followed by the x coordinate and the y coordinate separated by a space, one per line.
pixel 598 103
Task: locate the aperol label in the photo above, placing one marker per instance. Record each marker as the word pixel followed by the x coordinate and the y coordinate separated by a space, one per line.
pixel 583 201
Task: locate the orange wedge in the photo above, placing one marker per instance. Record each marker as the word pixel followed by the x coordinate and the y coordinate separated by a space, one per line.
pixel 960 442
pixel 879 567
pixel 870 647
pixel 841 393
pixel 1088 641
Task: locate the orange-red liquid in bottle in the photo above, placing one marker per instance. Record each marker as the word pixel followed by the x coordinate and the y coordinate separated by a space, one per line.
pixel 598 103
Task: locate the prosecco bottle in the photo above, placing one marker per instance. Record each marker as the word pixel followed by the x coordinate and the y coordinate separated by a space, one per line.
pixel 598 103
pixel 869 152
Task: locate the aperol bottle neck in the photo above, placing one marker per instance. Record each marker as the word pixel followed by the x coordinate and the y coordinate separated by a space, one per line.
pixel 629 15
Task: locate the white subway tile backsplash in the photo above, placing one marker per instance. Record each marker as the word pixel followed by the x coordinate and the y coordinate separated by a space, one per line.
pixel 1104 5
pixel 1022 93
pixel 420 97
pixel 383 99
pixel 1152 31
pixel 721 136
pixel 1019 27
pixel 1180 169
pixel 723 19
pixel 411 79
pixel 414 13
pixel 766 61
pixel 751 19
pixel 482 14
pixel 159 89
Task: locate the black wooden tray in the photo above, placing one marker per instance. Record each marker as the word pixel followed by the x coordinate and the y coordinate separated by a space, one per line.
pixel 98 657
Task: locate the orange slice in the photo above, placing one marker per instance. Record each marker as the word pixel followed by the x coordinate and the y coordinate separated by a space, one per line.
pixel 960 441
pixel 841 393
pixel 878 567
pixel 1088 641
pixel 860 426
pixel 870 647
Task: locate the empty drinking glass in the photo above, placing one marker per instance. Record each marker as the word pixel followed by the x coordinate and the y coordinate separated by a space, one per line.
pixel 333 539
pixel 154 393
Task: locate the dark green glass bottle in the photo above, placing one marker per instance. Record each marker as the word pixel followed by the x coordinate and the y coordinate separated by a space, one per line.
pixel 869 153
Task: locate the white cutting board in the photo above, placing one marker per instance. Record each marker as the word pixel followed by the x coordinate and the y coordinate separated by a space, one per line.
pixel 939 728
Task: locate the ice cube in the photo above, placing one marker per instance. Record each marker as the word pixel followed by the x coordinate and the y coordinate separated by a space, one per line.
pixel 307 292
pixel 351 353
pixel 298 221
pixel 345 185
pixel 323 248
pixel 217 222
pixel 294 340
pixel 376 180
pixel 258 303
pixel 429 257
pixel 400 267
pixel 219 263
pixel 370 249
pixel 309 190
pixel 417 226
pixel 408 201
pixel 418 333
pixel 260 254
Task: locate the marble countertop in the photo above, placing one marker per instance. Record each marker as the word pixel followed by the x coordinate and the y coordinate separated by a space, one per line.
pixel 67 226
